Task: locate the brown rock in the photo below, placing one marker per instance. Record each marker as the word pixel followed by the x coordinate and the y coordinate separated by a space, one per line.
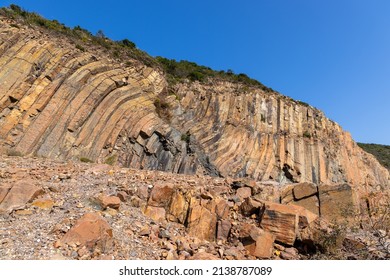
pixel 18 195
pixel 143 192
pixel 203 256
pixel 91 231
pixel 338 202
pixel 202 223
pixel 43 203
pixel 302 190
pixel 250 206
pixel 155 213
pixel 3 192
pixel 23 212
pixel 223 229
pixel 221 208
pixel 310 203
pixel 285 221
pixel 256 241
pixel 289 254
pixel 160 196
pixel 106 201
pixel 244 192
pixel 178 208
pixel 123 196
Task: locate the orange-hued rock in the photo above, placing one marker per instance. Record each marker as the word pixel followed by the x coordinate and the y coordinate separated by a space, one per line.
pixel 17 195
pixel 157 214
pixel 202 223
pixel 338 202
pixel 203 256
pixel 258 242
pixel 111 201
pixel 91 231
pixel 285 221
pixel 43 203
pixel 178 208
pixel 160 196
pixel 59 102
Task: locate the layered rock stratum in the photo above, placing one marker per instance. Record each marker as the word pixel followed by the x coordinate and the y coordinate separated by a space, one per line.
pixel 65 102
pixel 61 102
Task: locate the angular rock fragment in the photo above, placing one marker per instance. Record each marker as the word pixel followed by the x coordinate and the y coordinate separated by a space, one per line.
pixel 155 213
pixel 178 208
pixel 338 202
pixel 106 201
pixel 285 221
pixel 17 195
pixel 258 242
pixel 202 223
pixel 91 231
pixel 160 196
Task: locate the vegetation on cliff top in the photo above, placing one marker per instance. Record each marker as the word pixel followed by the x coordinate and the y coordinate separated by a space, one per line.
pixel 125 50
pixel 381 152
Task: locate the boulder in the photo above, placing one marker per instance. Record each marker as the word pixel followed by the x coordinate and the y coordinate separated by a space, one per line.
pixel 106 201
pixel 223 229
pixel 91 231
pixel 161 196
pixel 244 192
pixel 202 223
pixel 178 208
pixel 285 221
pixel 250 206
pixel 18 195
pixel 303 190
pixel 157 214
pixel 337 202
pixel 256 241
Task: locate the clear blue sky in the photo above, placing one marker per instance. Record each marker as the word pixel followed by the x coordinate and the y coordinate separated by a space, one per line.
pixel 333 54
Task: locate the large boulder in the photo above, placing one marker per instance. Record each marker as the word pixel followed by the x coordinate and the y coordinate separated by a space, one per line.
pixel 256 241
pixel 202 223
pixel 91 231
pixel 338 202
pixel 285 221
pixel 17 195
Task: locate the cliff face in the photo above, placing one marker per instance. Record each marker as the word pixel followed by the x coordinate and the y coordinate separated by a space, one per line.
pixel 61 102
pixel 266 136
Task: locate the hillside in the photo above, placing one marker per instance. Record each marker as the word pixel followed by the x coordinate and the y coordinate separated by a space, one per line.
pixel 87 125
pixel 381 152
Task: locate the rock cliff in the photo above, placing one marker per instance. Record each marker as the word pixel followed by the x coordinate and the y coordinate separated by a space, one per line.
pixel 60 101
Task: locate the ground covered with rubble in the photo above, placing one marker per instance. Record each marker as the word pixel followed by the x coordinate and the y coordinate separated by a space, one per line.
pixel 72 210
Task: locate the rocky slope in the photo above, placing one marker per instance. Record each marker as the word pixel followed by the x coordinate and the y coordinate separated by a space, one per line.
pixel 52 209
pixel 62 101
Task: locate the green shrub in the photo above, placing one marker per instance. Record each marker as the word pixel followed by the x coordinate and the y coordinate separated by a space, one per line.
pixel 84 159
pixel 111 160
pixel 186 137
pixel 80 47
pixel 14 153
pixel 307 134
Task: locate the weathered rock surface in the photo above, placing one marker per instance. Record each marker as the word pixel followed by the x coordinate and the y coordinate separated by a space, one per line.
pixel 258 242
pixel 202 218
pixel 285 221
pixel 91 231
pixel 57 101
pixel 17 195
pixel 61 103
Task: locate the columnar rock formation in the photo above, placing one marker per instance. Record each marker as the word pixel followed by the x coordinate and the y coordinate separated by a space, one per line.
pixel 61 102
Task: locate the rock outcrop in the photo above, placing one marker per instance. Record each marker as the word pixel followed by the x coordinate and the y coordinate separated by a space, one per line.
pixel 59 101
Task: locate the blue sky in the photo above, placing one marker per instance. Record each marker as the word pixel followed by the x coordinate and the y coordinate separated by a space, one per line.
pixel 333 54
